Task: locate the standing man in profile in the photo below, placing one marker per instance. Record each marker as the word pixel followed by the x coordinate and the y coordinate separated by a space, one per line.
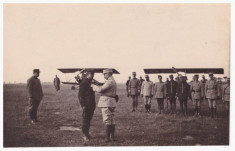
pixel 107 102
pixel 183 91
pixel 212 93
pixel 35 95
pixel 127 86
pixel 196 89
pixel 147 91
pixel 134 91
pixel 141 82
pixel 159 93
pixel 57 83
pixel 171 93
pixel 86 98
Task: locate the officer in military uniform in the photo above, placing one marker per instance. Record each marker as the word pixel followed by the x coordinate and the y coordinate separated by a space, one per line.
pixel 127 86
pixel 203 82
pixel 159 93
pixel 86 98
pixel 183 91
pixel 107 102
pixel 196 90
pixel 141 82
pixel 134 90
pixel 35 95
pixel 171 93
pixel 226 94
pixel 57 83
pixel 212 93
pixel 147 91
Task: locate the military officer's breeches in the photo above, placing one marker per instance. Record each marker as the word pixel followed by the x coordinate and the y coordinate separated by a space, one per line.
pixel 87 115
pixel 197 103
pixel 147 100
pixel 33 107
pixel 212 103
pixel 108 115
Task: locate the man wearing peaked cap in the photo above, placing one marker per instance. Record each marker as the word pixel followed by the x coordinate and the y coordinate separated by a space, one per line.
pixel 171 93
pixel 212 93
pixel 196 89
pixel 159 93
pixel 134 90
pixel 35 95
pixel 107 102
pixel 147 89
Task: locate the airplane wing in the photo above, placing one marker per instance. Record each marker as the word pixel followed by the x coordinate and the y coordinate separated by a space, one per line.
pixel 96 70
pixel 72 83
pixel 186 70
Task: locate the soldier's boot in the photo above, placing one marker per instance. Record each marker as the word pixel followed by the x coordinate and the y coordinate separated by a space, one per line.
pixel 212 113
pixel 133 105
pixel 196 112
pixel 112 133
pixel 199 111
pixel 215 112
pixel 107 133
pixel 146 108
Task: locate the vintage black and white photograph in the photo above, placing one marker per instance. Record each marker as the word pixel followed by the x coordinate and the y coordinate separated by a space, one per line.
pixel 116 74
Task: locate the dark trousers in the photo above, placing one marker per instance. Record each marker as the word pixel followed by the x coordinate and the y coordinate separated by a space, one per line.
pixel 87 115
pixel 33 108
pixel 160 103
pixel 173 104
pixel 135 101
pixel 183 104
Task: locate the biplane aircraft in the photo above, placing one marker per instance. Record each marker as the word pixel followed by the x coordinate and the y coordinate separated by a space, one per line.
pixel 82 71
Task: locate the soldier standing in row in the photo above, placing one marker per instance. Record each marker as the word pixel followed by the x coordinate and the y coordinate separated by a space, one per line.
pixel 56 83
pixel 171 93
pixel 212 93
pixel 107 102
pixel 134 90
pixel 35 95
pixel 147 91
pixel 127 86
pixel 141 82
pixel 197 94
pixel 86 98
pixel 203 82
pixel 183 91
pixel 159 94
pixel 226 94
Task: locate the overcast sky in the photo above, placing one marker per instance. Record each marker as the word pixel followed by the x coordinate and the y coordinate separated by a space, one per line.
pixel 128 37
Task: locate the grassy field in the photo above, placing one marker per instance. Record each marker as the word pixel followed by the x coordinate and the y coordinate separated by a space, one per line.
pixel 132 129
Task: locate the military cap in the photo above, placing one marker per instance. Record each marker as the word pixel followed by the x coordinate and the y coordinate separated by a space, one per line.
pixel 196 75
pixel 159 76
pixel 36 71
pixel 146 76
pixel 90 71
pixel 133 72
pixel 171 75
pixel 107 71
pixel 211 73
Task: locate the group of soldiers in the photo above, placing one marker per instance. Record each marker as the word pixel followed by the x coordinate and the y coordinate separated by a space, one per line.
pixel 88 86
pixel 179 89
pixel 170 90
